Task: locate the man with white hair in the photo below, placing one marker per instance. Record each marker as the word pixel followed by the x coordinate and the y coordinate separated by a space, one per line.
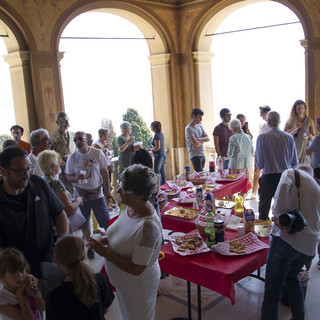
pixel 40 141
pixel 275 153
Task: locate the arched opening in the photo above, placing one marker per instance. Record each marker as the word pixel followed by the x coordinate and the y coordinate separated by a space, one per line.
pixel 18 60
pixel 204 57
pixel 159 60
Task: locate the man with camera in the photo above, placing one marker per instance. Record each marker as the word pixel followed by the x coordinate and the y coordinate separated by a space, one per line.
pixel 293 241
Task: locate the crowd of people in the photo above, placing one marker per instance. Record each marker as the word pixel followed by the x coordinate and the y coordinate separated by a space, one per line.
pixel 50 187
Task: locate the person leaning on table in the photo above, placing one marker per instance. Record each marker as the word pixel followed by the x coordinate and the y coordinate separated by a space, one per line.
pixel 288 253
pixel 133 245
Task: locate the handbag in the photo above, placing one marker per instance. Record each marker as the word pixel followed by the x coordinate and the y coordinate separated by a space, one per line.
pixel 76 220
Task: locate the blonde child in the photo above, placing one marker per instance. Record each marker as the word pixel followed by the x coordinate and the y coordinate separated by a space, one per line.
pixel 19 297
pixel 83 295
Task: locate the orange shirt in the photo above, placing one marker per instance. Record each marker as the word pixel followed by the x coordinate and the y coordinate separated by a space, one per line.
pixel 25 146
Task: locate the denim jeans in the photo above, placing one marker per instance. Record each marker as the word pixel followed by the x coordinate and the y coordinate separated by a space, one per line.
pixel 198 163
pixel 100 210
pixel 159 162
pixel 283 266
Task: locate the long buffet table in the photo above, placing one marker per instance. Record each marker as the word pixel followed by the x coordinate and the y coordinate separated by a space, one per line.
pixel 212 270
pixel 183 225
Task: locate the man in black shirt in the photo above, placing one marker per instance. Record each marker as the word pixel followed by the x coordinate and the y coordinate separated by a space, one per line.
pixel 28 207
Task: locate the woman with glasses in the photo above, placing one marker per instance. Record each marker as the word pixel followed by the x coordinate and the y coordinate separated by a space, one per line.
pixel 133 244
pixel 301 127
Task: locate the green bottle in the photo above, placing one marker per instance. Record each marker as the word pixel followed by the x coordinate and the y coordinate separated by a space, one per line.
pixel 210 231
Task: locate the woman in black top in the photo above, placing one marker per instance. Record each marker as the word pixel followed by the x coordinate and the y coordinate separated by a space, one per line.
pixel 157 147
pixel 83 294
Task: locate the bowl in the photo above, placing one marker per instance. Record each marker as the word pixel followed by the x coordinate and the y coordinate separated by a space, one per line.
pixel 198 181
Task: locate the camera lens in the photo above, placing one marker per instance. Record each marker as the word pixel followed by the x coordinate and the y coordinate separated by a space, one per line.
pixel 287 219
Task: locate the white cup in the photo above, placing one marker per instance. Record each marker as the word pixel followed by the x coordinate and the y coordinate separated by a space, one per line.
pixel 195 205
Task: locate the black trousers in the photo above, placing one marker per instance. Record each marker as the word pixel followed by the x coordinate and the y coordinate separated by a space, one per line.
pixel 268 184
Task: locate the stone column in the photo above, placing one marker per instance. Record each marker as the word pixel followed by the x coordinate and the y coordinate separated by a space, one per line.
pixel 204 96
pixel 162 105
pixel 19 62
pixel 47 88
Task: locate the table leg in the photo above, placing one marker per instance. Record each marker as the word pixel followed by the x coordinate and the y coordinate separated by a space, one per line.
pixel 189 300
pixel 258 275
pixel 199 302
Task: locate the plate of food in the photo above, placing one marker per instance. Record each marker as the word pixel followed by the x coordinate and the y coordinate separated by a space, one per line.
pixel 262 228
pixel 240 246
pixel 189 244
pixel 173 192
pixel 205 188
pixel 186 197
pixel 184 213
pixel 182 184
pixel 229 177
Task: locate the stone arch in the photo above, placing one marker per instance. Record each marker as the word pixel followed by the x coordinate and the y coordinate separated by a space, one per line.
pixel 201 47
pixel 18 58
pixel 160 54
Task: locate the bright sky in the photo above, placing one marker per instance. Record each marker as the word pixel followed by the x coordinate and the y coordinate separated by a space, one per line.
pixel 260 67
pixel 102 78
pixel 113 74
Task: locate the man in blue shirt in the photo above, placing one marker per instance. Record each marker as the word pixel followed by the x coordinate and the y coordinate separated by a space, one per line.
pixel 275 152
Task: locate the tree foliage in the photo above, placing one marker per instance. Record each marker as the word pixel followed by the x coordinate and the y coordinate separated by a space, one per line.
pixel 2 138
pixel 139 128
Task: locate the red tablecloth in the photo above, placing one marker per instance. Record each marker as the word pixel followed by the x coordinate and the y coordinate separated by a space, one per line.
pixel 184 225
pixel 212 270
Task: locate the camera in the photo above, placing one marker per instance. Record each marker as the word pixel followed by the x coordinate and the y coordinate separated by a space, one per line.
pixel 294 219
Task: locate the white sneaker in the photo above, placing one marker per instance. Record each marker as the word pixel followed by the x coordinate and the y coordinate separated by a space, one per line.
pixel 251 196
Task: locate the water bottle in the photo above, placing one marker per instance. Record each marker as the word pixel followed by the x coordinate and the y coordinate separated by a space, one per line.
pixel 220 164
pixel 210 231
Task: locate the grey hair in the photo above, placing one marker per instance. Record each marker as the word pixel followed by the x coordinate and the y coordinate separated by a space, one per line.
pixel 82 132
pixel 139 179
pixel 234 124
pixel 37 135
pixel 306 168
pixel 274 118
pixel 124 126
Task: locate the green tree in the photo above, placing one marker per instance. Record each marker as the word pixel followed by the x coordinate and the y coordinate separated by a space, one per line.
pixel 139 128
pixel 2 138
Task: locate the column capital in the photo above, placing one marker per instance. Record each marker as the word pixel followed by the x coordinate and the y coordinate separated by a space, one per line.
pixel 160 59
pixel 17 58
pixel 202 56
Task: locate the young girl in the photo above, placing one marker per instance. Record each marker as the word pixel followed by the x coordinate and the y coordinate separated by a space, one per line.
pixel 83 294
pixel 19 297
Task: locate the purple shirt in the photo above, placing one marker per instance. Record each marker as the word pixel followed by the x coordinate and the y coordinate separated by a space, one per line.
pixel 224 134
pixel 275 152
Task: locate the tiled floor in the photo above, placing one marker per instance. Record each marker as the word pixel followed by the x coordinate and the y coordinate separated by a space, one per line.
pixel 172 304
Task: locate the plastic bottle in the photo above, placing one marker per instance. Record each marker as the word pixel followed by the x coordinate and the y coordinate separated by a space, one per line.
pixel 211 163
pixel 239 209
pixel 220 164
pixel 249 221
pixel 208 202
pixel 210 231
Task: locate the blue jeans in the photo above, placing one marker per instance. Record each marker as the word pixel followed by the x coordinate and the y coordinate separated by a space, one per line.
pixel 283 266
pixel 198 163
pixel 100 209
pixel 225 164
pixel 159 162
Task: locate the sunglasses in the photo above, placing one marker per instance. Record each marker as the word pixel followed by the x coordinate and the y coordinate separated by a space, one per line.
pixel 79 138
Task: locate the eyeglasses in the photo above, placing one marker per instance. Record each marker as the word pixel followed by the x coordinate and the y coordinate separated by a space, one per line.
pixel 20 172
pixel 123 191
pixel 79 138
